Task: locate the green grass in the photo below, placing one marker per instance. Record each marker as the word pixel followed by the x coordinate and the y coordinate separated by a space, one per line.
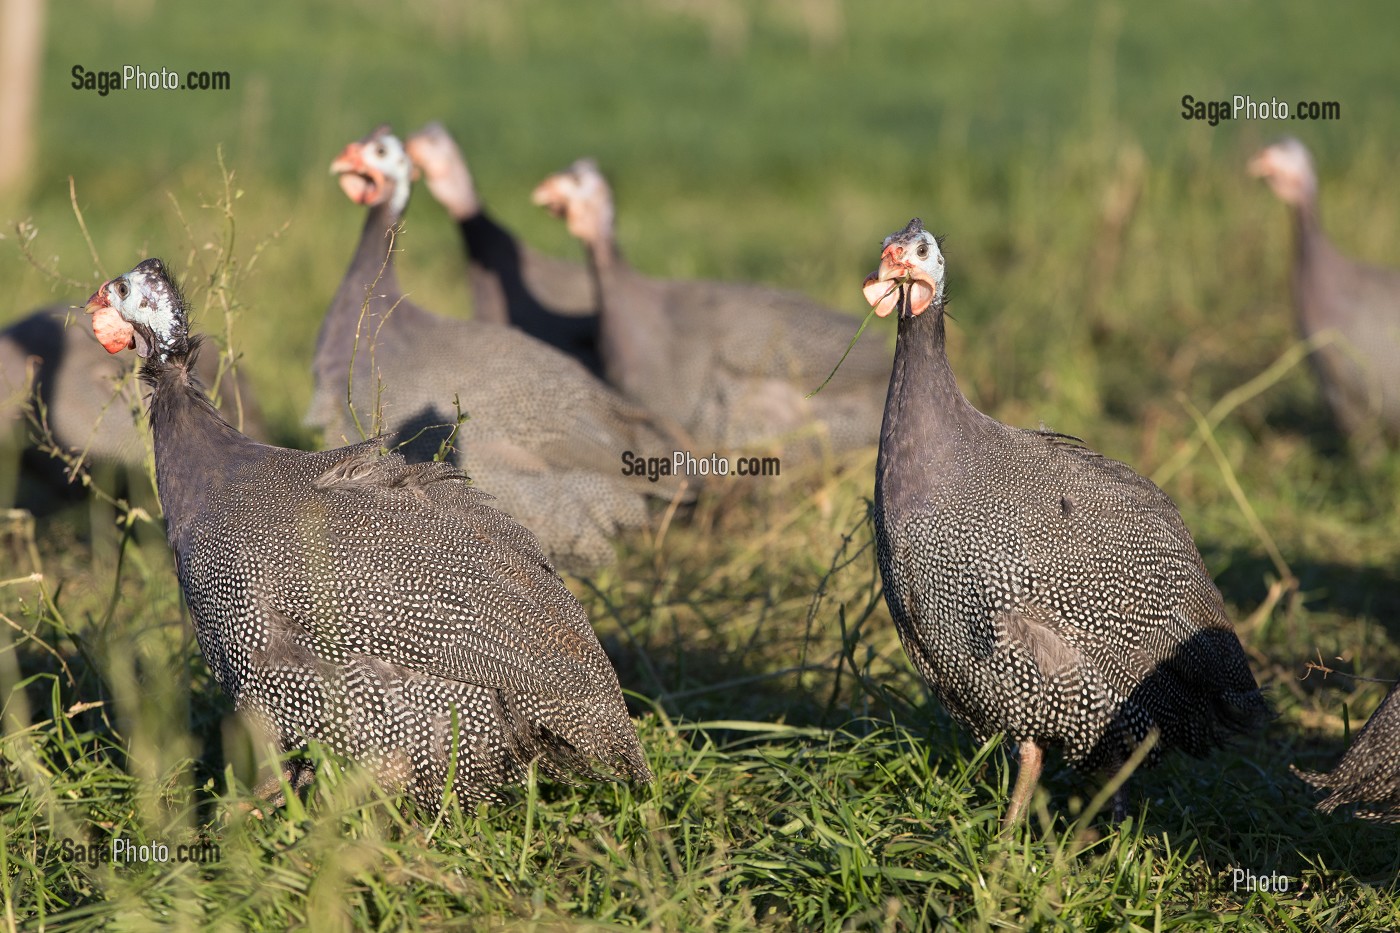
pixel 1112 268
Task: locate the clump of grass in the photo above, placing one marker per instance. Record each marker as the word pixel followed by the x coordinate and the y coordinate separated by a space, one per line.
pixel 1112 284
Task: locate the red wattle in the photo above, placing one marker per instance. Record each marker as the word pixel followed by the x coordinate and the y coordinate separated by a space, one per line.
pixel 111 330
pixel 920 296
pixel 883 294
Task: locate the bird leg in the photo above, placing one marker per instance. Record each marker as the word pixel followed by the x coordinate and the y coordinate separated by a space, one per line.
pixel 1120 804
pixel 1032 759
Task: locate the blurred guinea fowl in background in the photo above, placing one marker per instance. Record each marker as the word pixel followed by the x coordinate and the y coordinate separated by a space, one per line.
pixel 79 389
pixel 543 435
pixel 1042 590
pixel 1368 776
pixel 550 299
pixel 348 596
pixel 1360 372
pixel 732 363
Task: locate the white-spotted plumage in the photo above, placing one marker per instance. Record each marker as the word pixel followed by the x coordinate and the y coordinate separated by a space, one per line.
pixel 1367 779
pixel 384 608
pixel 1042 590
pixel 541 433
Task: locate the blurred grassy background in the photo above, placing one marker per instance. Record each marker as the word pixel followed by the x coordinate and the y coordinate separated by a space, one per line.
pixel 1111 267
pixel 774 141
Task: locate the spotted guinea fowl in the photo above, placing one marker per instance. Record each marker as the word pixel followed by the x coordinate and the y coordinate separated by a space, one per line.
pixel 78 387
pixel 1368 776
pixel 1360 372
pixel 543 435
pixel 347 596
pixel 1042 590
pixel 731 363
pixel 548 298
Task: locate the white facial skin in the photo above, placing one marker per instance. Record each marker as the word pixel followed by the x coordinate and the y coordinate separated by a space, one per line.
pixel 1288 169
pixel 436 155
pixel 581 195
pixel 131 306
pixel 912 262
pixel 374 170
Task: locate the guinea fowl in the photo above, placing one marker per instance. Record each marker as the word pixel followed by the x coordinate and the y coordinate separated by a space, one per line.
pixel 348 596
pixel 1042 590
pixel 543 435
pixel 1360 372
pixel 1368 776
pixel 731 363
pixel 61 366
pixel 550 299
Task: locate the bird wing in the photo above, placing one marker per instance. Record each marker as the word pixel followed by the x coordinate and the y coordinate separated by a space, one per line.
pixel 411 565
pixel 1133 592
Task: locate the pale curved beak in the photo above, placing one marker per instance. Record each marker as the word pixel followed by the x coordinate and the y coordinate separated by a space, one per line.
pixel 885 288
pixel 552 194
pixel 351 159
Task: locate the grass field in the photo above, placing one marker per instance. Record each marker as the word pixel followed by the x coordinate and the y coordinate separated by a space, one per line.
pixel 1115 275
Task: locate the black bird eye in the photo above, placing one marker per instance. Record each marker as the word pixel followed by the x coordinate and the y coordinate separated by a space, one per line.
pixel 123 289
pixel 922 251
pixel 380 151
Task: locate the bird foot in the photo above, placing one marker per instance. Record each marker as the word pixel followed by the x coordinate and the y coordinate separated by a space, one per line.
pixel 295 774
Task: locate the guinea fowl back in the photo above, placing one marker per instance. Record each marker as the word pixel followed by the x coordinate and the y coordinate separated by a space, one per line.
pixel 732 363
pixel 354 598
pixel 781 344
pixel 1085 578
pixel 383 571
pixel 542 435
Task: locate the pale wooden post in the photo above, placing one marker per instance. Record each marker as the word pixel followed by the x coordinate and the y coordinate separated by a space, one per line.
pixel 21 51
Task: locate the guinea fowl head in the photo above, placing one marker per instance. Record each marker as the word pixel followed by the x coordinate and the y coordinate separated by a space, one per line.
pixel 142 309
pixel 1287 167
pixel 911 273
pixel 375 170
pixel 434 153
pixel 581 195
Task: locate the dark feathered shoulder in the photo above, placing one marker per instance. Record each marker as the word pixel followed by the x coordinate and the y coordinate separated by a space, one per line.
pixel 368 466
pixel 368 470
pixel 1056 439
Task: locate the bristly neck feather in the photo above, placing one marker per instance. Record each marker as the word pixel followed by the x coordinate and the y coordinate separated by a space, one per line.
pixel 197 451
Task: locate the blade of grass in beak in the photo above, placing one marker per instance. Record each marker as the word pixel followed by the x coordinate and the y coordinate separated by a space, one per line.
pixel 863 324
